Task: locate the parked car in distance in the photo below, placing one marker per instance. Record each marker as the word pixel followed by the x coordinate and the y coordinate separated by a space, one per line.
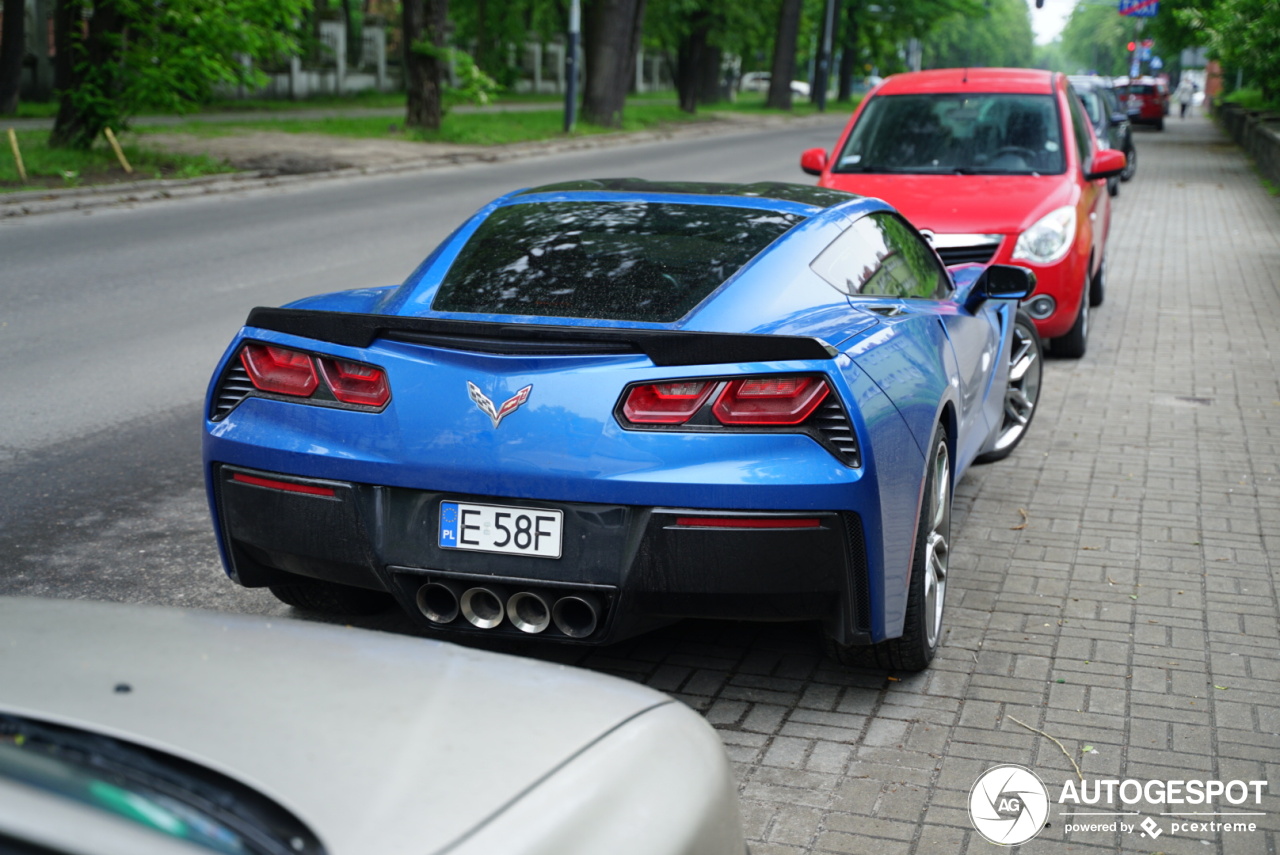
pixel 758 81
pixel 607 404
pixel 1110 123
pixel 133 729
pixel 1145 99
pixel 994 165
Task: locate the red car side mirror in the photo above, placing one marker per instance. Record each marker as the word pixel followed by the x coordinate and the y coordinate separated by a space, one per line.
pixel 814 161
pixel 1106 163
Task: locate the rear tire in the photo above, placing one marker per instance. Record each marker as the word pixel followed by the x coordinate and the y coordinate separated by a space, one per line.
pixel 927 588
pixel 1098 285
pixel 331 598
pixel 1130 165
pixel 1076 341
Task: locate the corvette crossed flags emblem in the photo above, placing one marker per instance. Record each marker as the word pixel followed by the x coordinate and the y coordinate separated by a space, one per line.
pixel 497 414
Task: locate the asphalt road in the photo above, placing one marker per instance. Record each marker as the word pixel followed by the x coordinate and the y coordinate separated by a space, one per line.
pixel 112 320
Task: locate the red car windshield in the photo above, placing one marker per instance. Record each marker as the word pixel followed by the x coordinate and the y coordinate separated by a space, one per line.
pixel 971 133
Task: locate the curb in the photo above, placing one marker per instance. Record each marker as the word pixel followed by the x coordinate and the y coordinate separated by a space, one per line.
pixel 132 192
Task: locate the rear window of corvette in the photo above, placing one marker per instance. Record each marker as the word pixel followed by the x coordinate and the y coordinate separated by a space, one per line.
pixel 626 260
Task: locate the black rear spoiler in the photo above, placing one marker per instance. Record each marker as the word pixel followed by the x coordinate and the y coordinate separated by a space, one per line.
pixel 663 347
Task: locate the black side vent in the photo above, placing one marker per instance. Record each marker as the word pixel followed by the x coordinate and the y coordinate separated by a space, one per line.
pixel 837 432
pixel 232 389
pixel 980 254
pixel 860 585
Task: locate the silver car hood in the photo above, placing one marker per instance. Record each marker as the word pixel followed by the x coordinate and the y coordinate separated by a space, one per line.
pixel 355 732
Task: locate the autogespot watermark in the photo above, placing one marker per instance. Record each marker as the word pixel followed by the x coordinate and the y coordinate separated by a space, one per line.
pixel 1010 805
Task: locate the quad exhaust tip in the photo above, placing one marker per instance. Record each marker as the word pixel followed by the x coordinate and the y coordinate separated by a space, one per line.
pixel 574 615
pixel 529 612
pixel 482 607
pixel 438 602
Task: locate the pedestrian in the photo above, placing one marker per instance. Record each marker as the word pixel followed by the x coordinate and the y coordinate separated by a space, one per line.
pixel 1185 94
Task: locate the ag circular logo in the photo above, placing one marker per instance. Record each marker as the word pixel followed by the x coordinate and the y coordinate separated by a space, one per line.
pixel 1008 805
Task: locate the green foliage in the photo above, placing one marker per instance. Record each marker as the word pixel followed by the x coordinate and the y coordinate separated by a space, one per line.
pixel 1050 57
pixel 741 29
pixel 1245 34
pixel 1253 99
pixel 999 37
pixel 169 55
pixel 474 86
pixel 1094 39
pixel 491 25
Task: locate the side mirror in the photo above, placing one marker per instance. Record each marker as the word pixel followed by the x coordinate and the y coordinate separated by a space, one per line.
pixel 1001 282
pixel 1118 118
pixel 814 161
pixel 1107 163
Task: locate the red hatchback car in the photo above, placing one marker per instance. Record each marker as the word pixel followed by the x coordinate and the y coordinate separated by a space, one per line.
pixel 993 165
pixel 1145 99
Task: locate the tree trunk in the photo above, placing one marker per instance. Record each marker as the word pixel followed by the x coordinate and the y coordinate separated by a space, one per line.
pixel 424 62
pixel 86 62
pixel 611 28
pixel 784 56
pixel 13 45
pixel 849 56
pixel 689 62
pixel 349 28
pixel 709 75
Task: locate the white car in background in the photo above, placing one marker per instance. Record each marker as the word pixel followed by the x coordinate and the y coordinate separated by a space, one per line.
pixel 758 81
pixel 139 730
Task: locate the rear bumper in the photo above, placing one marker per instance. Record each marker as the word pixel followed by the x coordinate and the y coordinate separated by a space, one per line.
pixel 642 565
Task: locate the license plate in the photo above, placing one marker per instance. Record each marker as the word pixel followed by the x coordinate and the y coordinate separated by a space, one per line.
pixel 501 529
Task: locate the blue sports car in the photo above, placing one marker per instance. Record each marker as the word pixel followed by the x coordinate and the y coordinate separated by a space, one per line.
pixel 607 404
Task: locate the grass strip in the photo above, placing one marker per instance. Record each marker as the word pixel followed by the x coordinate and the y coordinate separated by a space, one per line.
pixel 49 168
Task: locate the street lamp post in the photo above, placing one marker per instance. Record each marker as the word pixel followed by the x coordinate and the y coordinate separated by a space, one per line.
pixel 823 71
pixel 571 66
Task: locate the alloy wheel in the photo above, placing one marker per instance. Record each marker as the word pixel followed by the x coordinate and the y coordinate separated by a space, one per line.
pixel 1023 389
pixel 937 548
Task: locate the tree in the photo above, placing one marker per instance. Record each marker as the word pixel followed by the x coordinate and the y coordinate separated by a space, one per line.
pixel 13 44
pixel 1245 35
pixel 612 38
pixel 784 55
pixel 425 59
pixel 999 37
pixel 116 57
pixel 850 51
pixel 1094 40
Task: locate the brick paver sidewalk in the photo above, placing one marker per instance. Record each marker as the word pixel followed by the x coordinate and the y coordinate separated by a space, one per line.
pixel 1133 618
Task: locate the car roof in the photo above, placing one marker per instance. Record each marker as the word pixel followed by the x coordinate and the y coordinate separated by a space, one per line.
pixel 1090 81
pixel 950 80
pixel 805 194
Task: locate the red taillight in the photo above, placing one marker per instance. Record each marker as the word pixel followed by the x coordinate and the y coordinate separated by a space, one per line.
pixel 286 486
pixel 355 382
pixel 770 400
pixel 279 370
pixel 666 403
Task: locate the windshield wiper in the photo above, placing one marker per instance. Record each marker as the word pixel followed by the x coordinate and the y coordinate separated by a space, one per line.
pixel 862 167
pixel 979 170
